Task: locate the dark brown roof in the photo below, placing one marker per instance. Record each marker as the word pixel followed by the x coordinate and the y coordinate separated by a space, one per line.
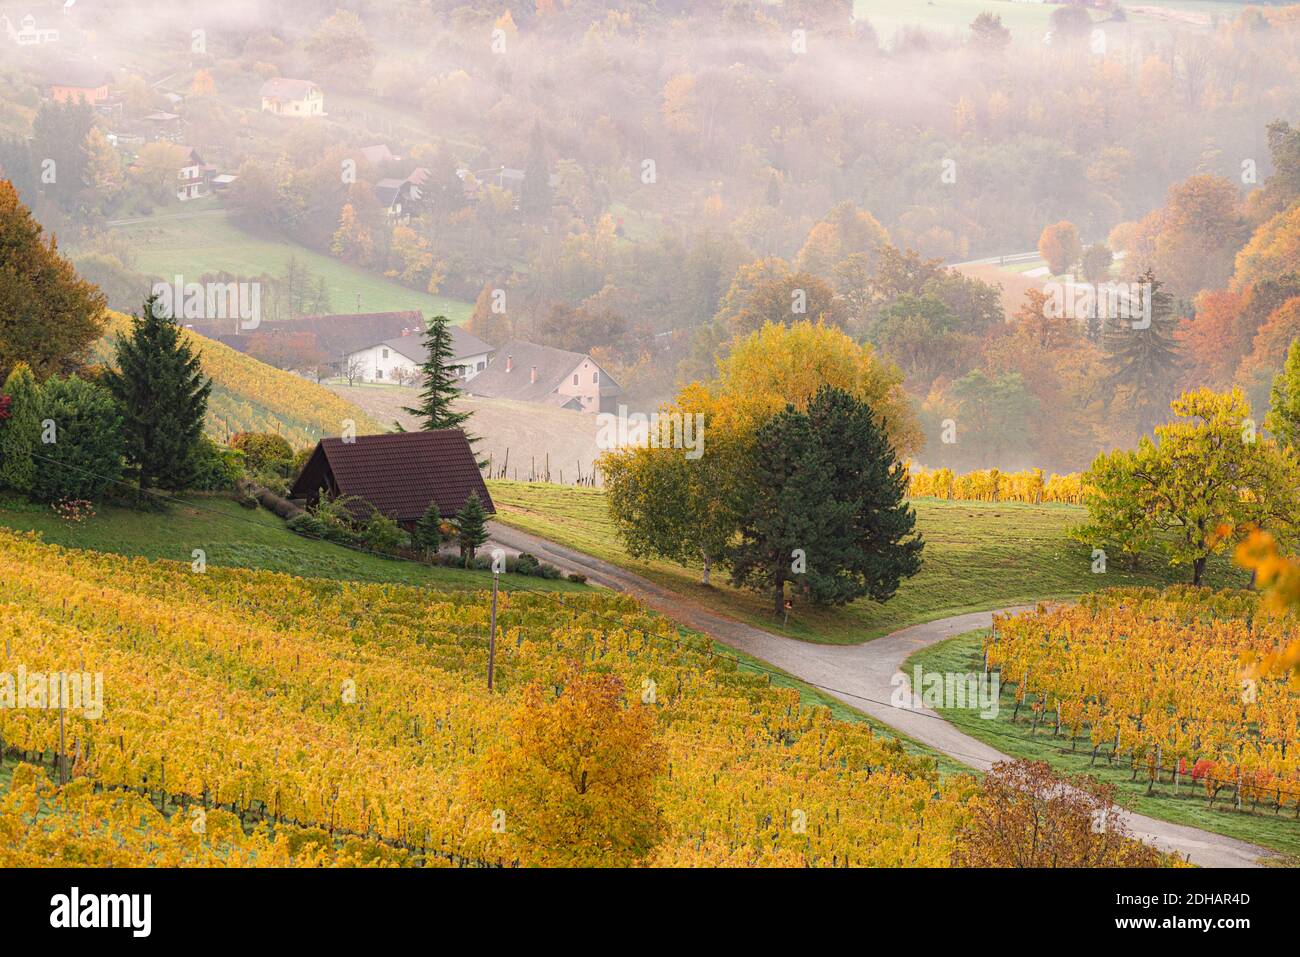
pixel 397 473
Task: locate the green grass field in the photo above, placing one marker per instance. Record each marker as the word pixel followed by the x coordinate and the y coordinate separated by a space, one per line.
pixel 962 655
pixel 238 537
pixel 978 555
pixel 175 243
pixel 1025 20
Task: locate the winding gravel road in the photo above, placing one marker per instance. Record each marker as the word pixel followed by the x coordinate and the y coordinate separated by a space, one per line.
pixel 862 676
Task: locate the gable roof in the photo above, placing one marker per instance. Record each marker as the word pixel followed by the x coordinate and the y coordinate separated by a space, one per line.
pixel 397 473
pixel 463 345
pixel 553 365
pixel 336 335
pixel 287 88
pixel 378 154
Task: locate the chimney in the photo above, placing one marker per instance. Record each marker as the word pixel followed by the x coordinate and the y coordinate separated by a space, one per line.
pixel 510 363
pixel 532 377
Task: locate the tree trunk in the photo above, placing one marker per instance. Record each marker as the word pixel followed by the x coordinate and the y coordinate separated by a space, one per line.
pixel 778 597
pixel 1198 569
pixel 708 567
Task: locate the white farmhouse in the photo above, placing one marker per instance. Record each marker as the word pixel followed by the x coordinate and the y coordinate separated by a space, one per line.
pixel 399 360
pixel 28 34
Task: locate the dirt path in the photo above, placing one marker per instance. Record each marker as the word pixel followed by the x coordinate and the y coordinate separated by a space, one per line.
pixel 862 676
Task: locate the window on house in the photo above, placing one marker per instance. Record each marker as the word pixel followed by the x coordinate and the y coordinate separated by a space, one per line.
pixel 595 377
pixel 385 353
pixel 379 374
pixel 481 365
pixel 575 378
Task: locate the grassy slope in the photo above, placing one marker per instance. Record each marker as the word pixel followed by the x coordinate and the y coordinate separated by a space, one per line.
pixel 250 396
pixel 962 655
pixel 234 536
pixel 978 555
pixel 167 245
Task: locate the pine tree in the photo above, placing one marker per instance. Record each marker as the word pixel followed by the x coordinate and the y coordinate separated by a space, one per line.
pixel 159 385
pixel 435 410
pixel 829 511
pixel 471 528
pixel 428 530
pixel 1143 358
pixel 20 430
pixel 1283 418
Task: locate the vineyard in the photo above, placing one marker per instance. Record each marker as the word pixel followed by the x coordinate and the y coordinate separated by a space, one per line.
pixel 1028 487
pixel 1162 680
pixel 250 396
pixel 320 721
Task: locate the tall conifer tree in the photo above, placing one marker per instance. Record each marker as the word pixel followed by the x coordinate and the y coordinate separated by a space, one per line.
pixel 158 382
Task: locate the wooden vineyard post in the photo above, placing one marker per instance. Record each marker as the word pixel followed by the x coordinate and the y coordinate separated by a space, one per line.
pixel 492 634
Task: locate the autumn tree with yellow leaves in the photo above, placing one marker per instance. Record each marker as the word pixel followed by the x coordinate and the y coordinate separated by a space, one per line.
pixel 575 785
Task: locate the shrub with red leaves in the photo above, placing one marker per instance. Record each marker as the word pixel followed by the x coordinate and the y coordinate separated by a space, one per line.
pixel 5 403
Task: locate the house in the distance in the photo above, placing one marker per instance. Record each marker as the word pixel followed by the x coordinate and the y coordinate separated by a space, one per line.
pixel 400 359
pixel 192 178
pixel 73 83
pixel 284 96
pixel 398 474
pixel 335 335
pixel 527 372
pixel 27 33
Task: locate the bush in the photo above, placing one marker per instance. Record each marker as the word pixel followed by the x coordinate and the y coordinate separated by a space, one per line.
pixel 307 524
pixel 383 534
pixel 576 578
pixel 216 469
pixel 84 458
pixel 525 564
pixel 265 452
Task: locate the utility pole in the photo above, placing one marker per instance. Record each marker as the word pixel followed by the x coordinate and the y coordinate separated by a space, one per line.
pixel 492 635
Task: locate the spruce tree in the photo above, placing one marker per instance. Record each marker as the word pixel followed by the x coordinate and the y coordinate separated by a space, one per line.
pixel 159 385
pixel 435 410
pixel 1143 358
pixel 428 530
pixel 471 528
pixel 20 430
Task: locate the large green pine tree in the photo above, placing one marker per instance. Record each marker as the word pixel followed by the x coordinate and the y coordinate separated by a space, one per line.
pixel 435 410
pixel 829 513
pixel 159 385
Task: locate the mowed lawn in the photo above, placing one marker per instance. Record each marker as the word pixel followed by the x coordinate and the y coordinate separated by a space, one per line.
pixel 978 556
pixel 962 655
pixel 233 536
pixel 190 245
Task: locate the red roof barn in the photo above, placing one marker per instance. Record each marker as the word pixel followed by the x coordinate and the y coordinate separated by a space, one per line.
pixel 398 474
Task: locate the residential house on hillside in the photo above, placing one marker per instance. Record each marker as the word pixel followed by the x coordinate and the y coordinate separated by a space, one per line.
pixel 27 33
pixel 336 335
pixel 193 176
pixel 397 195
pixel 527 372
pixel 399 359
pixel 398 474
pixel 378 155
pixel 284 96
pixel 72 83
